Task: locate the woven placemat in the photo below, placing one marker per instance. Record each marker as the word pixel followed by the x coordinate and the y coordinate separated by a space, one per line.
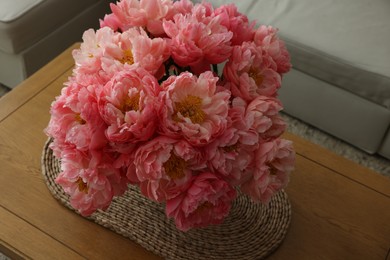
pixel 251 231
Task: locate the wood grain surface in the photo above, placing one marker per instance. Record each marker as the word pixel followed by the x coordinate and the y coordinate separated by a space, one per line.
pixel 340 210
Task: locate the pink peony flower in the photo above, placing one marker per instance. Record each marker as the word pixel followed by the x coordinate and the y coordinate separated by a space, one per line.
pixel 105 52
pixel 231 158
pixel 193 109
pixel 125 14
pixel 275 161
pixel 250 73
pixel 207 201
pixel 258 121
pixel 63 117
pixel 164 166
pixel 95 58
pixel 148 53
pixel 183 6
pixel 92 49
pixel 135 48
pixel 266 37
pixel 89 57
pixel 91 185
pixel 239 121
pixel 263 117
pixel 75 121
pixel 111 20
pixel 148 14
pixel 157 11
pixel 198 40
pixel 236 22
pixel 128 105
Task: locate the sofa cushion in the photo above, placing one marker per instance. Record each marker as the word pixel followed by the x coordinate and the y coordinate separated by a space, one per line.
pixel 24 22
pixel 13 9
pixel 345 43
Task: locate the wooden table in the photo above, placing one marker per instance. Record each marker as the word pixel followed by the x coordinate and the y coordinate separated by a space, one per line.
pixel 340 210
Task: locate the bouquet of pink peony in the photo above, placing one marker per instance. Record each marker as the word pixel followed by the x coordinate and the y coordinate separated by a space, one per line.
pixel 179 99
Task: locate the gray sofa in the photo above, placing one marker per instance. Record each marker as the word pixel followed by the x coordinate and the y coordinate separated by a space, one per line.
pixel 32 32
pixel 340 51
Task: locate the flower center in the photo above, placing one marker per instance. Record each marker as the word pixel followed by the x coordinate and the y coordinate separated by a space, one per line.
pixel 190 107
pixel 175 167
pixel 130 103
pixel 79 119
pixel 256 76
pixel 127 57
pixel 272 169
pixel 204 206
pixel 231 148
pixel 82 185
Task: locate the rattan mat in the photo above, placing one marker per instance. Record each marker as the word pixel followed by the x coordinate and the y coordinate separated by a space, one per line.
pixel 251 231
